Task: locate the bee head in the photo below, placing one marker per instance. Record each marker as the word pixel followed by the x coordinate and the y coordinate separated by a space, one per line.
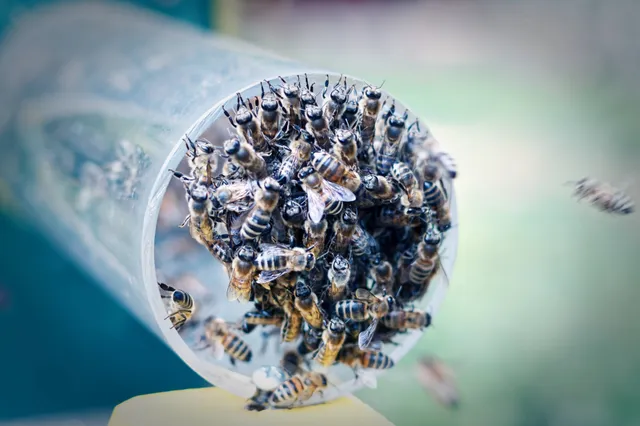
pixel 243 116
pixel 246 254
pixel 269 102
pixel 349 217
pixel 291 91
pixel 270 184
pixel 376 259
pixel 307 97
pixel 199 194
pixel 352 107
pixel 340 264
pixel 336 326
pixel 305 172
pixel 427 319
pixel 232 146
pixel 344 136
pixel 291 210
pixel 370 182
pixel 313 112
pixel 205 147
pixel 372 92
pixel 391 302
pixel 432 236
pixel 309 261
pixel 302 290
pixel 221 196
pixel 179 296
pixel 338 95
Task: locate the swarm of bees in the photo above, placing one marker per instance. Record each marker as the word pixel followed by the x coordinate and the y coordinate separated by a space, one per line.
pixel 328 211
pixel 603 196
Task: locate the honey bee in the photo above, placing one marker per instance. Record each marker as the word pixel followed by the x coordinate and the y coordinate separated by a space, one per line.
pixel 300 153
pixel 314 237
pixel 290 94
pixel 354 357
pixel 429 169
pixel 433 195
pixel 351 114
pixel 234 196
pixel 247 124
pixel 347 148
pixel 321 193
pixel 307 98
pixel 269 114
pixel 181 305
pixel 379 188
pixel 200 224
pixel 603 196
pixel 343 230
pixel 364 307
pixel 334 107
pixel 231 170
pixel 244 155
pixel 391 216
pixel 364 244
pixel 444 218
pixel 298 389
pixel 382 273
pixel 199 153
pixel 406 320
pixel 311 339
pixel 242 273
pixel 258 218
pixel 306 302
pixel 370 107
pixel 217 334
pixel 221 251
pixel 338 276
pixel 292 324
pixel 318 126
pixel 438 380
pixel 333 170
pixel 287 280
pixel 252 319
pixel 333 338
pixel 426 263
pixel 404 176
pixel 387 148
pixel 448 163
pixel 293 215
pixel 275 261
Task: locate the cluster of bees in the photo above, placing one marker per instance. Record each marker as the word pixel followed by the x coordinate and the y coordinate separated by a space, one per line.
pixel 327 211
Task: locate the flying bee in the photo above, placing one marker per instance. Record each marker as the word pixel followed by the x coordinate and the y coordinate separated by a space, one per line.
pixel 321 193
pixel 333 338
pixel 217 334
pixel 433 195
pixel 300 153
pixel 364 307
pixel 382 274
pixel 603 196
pixel 307 98
pixel 347 148
pixel 247 124
pixel 311 339
pixel 380 188
pixel 404 176
pixel 438 380
pixel 306 302
pixel 298 389
pixel 343 230
pixel 199 153
pixel 234 196
pixel 370 106
pixel 318 126
pixel 335 105
pixel 333 170
pixel 252 319
pixel 259 216
pixel 314 236
pixel 275 261
pixel 406 320
pixel 290 95
pixel 338 276
pixel 245 156
pixel 293 214
pixel 242 273
pixel 269 114
pixel 181 304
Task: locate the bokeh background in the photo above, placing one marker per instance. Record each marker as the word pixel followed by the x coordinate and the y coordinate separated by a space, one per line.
pixel 540 323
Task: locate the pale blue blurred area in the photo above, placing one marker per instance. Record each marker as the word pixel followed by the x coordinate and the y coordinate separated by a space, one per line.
pixel 541 321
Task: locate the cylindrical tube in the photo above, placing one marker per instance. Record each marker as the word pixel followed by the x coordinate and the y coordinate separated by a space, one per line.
pixel 89 87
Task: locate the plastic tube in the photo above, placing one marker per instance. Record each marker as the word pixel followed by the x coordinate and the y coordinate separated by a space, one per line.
pixel 87 84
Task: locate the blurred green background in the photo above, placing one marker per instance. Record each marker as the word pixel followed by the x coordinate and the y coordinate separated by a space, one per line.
pixel 540 324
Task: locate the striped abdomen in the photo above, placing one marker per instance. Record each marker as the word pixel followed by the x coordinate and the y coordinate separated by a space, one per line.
pixel 327 354
pixel 433 195
pixel 236 348
pixel 255 224
pixel 332 207
pixel 271 262
pixel 329 168
pixel 384 161
pixel 376 360
pixel 291 326
pixel 421 270
pixel 287 391
pixel 352 309
pixel 404 175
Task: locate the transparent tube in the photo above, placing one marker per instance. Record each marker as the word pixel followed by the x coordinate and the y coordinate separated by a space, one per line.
pixel 106 86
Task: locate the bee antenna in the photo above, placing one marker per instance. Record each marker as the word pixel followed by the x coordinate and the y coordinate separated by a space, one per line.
pixel 282 79
pixel 262 88
pixel 383 82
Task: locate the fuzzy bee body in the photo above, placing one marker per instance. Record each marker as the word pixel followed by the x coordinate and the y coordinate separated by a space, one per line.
pixel 333 338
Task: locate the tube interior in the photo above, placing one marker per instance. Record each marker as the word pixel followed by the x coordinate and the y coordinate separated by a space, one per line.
pixel 170 255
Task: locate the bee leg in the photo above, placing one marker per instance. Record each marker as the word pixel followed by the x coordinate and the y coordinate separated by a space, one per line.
pixel 229 117
pixel 206 344
pixel 232 360
pixel 326 87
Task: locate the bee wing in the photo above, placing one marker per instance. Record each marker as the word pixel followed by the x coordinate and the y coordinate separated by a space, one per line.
pixel 218 351
pixel 366 337
pixel 268 276
pixel 239 220
pixel 368 379
pixel 233 294
pixel 366 295
pixel 316 205
pixel 275 250
pixel 166 287
pixel 337 192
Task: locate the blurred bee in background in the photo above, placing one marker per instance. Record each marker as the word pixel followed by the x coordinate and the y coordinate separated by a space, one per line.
pixel 333 338
pixel 292 324
pixel 124 173
pixel 181 304
pixel 242 274
pixel 382 274
pixel 322 194
pixel 221 339
pixel 603 196
pixel 275 261
pixel 439 381
pixel 407 320
pixel 311 340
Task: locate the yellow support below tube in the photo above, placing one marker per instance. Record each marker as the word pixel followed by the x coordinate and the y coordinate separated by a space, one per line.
pixel 214 406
